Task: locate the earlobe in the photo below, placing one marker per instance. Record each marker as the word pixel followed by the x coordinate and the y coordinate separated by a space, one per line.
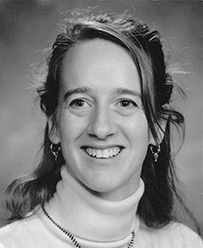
pixel 161 128
pixel 53 132
pixel 160 135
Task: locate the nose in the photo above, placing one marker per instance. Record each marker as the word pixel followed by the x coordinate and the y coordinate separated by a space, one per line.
pixel 102 124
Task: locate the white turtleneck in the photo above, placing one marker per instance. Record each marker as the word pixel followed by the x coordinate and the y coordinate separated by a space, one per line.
pixel 96 223
pixel 90 217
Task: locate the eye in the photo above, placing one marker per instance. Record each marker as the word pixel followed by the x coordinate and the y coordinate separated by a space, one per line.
pixel 78 103
pixel 125 103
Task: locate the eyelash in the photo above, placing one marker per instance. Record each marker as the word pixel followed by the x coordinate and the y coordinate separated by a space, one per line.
pixel 75 102
pixel 128 101
pixel 124 103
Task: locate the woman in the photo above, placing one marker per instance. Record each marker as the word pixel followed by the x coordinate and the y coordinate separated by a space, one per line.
pixel 106 178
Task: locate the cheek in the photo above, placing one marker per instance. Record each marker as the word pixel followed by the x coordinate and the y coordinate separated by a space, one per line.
pixel 137 128
pixel 139 139
pixel 70 127
pixel 70 131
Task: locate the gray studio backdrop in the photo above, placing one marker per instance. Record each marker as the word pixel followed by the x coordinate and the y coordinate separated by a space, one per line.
pixel 28 27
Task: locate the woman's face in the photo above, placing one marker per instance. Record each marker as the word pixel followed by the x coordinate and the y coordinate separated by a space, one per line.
pixel 101 123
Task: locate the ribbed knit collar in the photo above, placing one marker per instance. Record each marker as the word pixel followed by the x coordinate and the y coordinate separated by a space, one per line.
pixel 90 217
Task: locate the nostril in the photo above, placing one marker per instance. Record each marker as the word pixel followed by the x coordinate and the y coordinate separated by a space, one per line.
pixel 100 137
pixel 101 124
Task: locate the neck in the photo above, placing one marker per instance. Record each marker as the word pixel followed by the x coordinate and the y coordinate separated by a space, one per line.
pixel 115 195
pixel 88 216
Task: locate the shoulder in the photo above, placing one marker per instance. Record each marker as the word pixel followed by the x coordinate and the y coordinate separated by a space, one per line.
pixel 172 235
pixel 22 233
pixel 183 234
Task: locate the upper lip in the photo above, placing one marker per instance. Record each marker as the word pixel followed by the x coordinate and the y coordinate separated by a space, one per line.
pixel 101 146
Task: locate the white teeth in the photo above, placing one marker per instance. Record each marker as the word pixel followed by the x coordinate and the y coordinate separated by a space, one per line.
pixel 106 154
pixel 103 153
pixel 99 154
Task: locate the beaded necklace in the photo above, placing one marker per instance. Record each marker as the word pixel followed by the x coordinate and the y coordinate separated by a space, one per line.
pixel 71 236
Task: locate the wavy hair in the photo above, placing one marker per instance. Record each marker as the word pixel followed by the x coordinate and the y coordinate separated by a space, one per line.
pixel 144 46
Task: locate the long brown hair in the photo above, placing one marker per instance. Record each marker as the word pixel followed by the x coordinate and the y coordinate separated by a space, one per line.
pixel 144 46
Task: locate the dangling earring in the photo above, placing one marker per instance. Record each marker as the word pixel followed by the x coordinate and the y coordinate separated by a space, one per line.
pixel 55 149
pixel 155 150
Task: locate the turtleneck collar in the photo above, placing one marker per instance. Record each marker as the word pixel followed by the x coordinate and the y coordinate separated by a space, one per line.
pixel 90 217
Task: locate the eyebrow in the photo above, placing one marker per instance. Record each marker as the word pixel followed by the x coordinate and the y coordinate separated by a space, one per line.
pixel 124 91
pixel 75 91
pixel 119 91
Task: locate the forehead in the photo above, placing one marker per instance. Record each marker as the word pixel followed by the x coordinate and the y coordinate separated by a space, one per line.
pixel 98 63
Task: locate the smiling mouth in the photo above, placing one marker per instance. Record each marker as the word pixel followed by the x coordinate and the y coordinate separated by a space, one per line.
pixel 103 153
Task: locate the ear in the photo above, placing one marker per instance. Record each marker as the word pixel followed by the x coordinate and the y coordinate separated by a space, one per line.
pixel 54 134
pixel 161 128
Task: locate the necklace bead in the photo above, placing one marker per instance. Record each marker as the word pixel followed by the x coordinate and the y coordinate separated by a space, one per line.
pixel 71 236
